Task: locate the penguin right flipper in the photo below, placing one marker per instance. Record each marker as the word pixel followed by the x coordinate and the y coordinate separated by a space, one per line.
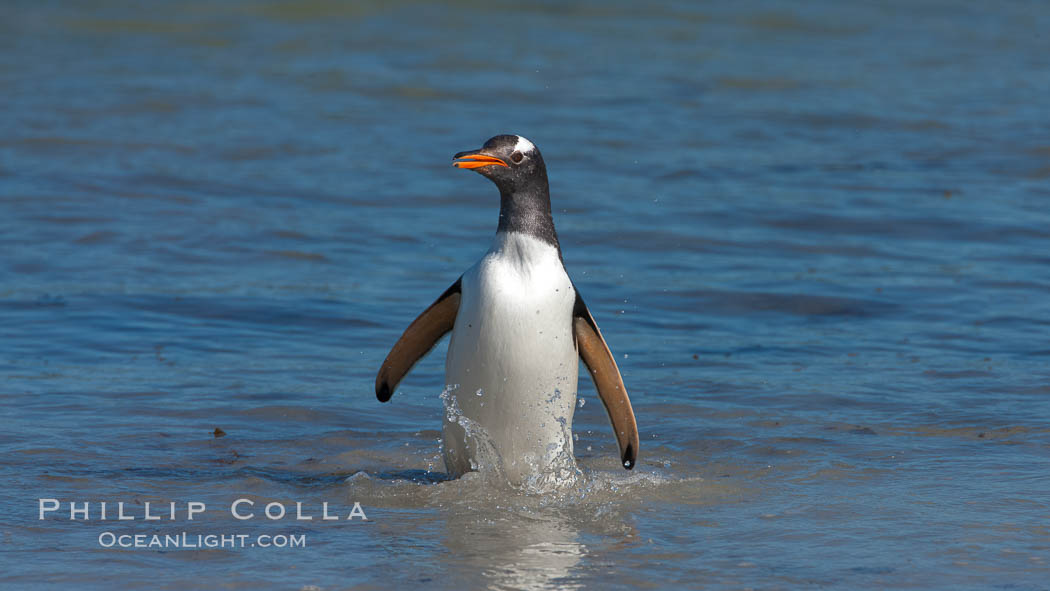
pixel 599 361
pixel 418 339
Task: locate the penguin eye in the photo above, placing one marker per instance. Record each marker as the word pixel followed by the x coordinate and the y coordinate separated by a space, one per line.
pixel 517 157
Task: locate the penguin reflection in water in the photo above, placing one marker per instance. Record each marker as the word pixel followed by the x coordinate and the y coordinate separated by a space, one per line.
pixel 518 328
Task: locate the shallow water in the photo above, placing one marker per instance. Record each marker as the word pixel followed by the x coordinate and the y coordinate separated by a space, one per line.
pixel 815 237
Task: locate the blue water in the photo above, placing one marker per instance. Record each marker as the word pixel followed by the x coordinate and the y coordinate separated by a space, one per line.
pixel 814 235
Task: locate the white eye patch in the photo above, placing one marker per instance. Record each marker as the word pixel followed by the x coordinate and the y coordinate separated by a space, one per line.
pixel 524 146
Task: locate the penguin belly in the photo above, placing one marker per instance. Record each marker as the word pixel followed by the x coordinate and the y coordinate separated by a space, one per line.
pixel 512 365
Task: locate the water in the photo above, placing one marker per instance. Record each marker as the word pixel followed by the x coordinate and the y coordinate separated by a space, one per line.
pixel 815 237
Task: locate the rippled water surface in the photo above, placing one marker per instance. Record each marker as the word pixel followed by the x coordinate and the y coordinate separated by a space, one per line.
pixel 815 235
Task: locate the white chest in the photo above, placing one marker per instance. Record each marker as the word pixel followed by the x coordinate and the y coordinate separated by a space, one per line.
pixel 512 359
pixel 516 311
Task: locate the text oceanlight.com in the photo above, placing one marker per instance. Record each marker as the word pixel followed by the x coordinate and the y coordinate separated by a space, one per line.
pixel 186 540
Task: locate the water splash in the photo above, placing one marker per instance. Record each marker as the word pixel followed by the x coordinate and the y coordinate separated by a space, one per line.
pixel 483 455
pixel 550 469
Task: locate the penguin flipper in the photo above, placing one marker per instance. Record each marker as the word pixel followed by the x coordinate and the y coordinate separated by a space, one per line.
pixel 606 375
pixel 418 339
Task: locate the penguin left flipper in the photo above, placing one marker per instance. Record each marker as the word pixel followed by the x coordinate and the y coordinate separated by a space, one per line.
pixel 418 339
pixel 606 375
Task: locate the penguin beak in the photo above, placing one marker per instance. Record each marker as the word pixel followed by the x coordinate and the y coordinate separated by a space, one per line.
pixel 476 160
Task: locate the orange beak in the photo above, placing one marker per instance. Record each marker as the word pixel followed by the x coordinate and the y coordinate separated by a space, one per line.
pixel 476 161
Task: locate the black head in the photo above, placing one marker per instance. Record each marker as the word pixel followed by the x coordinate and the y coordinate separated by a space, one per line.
pixel 514 164
pixel 510 161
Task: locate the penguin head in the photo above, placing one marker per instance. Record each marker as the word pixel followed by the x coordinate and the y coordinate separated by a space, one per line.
pixel 511 162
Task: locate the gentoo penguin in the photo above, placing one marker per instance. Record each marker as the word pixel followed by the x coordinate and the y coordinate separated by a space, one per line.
pixel 518 329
